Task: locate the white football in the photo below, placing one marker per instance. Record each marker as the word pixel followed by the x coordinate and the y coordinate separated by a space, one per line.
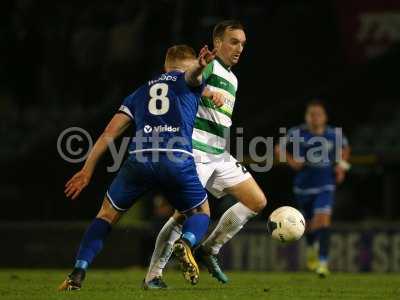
pixel 286 224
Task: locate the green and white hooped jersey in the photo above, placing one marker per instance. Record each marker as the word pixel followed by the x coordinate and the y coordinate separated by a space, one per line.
pixel 211 128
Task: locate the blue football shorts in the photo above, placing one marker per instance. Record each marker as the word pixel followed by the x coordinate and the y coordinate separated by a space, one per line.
pixel 177 179
pixel 315 203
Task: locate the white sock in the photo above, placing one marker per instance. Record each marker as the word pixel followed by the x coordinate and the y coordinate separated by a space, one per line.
pixel 230 223
pixel 166 238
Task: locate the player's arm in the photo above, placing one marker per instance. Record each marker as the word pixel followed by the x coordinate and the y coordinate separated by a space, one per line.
pixel 293 163
pixel 193 75
pixel 118 124
pixel 288 157
pixel 346 153
pixel 343 166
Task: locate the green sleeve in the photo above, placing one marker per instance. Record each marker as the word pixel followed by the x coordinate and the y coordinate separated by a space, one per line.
pixel 208 71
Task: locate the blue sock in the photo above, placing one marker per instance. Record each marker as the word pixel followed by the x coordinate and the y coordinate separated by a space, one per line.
pixel 92 242
pixel 323 235
pixel 310 238
pixel 195 228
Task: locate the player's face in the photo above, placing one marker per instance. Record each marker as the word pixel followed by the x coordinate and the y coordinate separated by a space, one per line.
pixel 316 116
pixel 231 46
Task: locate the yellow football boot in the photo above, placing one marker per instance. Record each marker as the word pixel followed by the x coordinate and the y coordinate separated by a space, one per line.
pixel 189 267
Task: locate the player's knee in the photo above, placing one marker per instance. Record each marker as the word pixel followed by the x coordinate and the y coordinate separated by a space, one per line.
pixel 202 209
pixel 109 217
pixel 259 203
pixel 108 213
pixel 179 217
pixel 201 213
pixel 106 218
pixel 250 195
pixel 263 201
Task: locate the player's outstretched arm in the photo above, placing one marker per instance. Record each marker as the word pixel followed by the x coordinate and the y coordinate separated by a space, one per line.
pixel 193 75
pixel 81 179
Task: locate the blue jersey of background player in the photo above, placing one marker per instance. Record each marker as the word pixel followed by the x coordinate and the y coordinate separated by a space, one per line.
pixel 165 108
pixel 318 153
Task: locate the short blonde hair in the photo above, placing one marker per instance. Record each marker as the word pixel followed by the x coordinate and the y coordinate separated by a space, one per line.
pixel 178 53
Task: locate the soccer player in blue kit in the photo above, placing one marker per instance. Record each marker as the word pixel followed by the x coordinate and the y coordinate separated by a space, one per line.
pixel 318 153
pixel 160 155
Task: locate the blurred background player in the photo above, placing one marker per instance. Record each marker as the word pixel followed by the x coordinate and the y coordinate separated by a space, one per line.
pixel 311 151
pixel 157 158
pixel 218 171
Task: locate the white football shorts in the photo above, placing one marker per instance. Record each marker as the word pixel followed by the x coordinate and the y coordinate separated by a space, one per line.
pixel 220 172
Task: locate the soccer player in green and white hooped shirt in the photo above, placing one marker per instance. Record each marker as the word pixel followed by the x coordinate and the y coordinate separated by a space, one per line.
pixel 218 171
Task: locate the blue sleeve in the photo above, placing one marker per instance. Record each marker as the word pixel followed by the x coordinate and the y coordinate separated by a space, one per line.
pixel 198 89
pixel 194 89
pixel 127 107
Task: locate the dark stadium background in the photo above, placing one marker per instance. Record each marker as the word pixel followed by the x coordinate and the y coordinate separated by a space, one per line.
pixel 70 63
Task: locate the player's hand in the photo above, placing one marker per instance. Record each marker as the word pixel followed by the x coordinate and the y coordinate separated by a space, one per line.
pixel 206 56
pixel 76 184
pixel 216 97
pixel 340 174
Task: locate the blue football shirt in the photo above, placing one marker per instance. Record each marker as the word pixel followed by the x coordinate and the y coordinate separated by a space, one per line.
pixel 319 153
pixel 164 111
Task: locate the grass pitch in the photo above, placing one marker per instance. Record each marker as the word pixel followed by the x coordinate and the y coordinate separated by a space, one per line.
pixel 125 284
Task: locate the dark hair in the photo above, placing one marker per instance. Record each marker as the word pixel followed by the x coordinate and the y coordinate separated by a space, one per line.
pixel 179 52
pixel 316 102
pixel 222 26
